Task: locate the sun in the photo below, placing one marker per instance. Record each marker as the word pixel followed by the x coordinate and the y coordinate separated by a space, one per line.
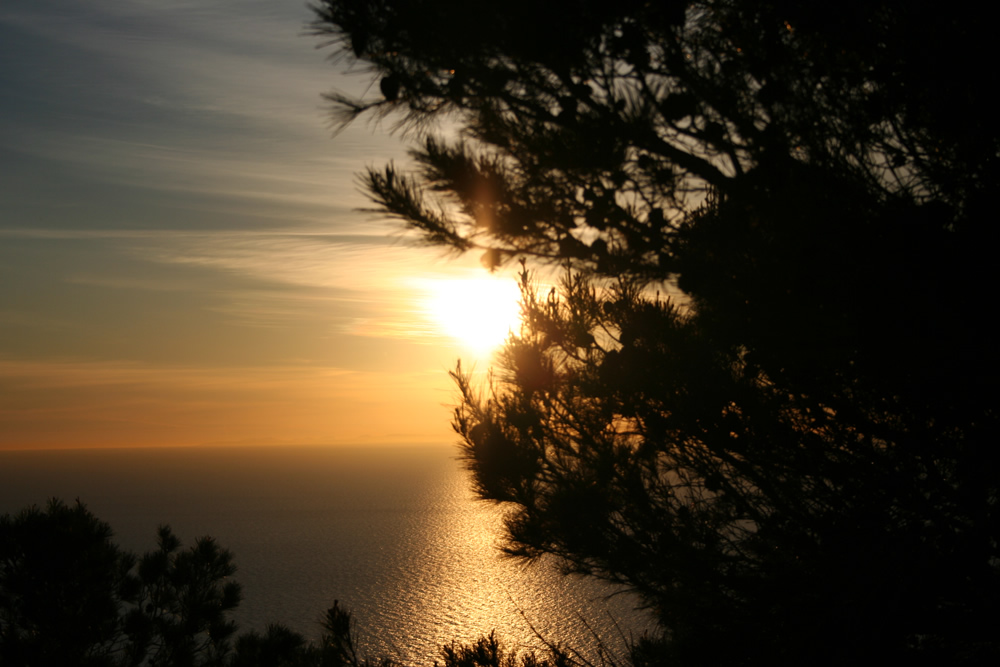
pixel 476 312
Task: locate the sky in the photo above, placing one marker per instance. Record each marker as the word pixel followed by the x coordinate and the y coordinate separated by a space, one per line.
pixel 183 260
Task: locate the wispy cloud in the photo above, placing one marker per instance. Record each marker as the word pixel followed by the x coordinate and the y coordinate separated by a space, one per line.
pixel 321 284
pixel 211 99
pixel 128 404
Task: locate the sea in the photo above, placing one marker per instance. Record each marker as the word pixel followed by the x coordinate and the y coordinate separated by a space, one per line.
pixel 394 534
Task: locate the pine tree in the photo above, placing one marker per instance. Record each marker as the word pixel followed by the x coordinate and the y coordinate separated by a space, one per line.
pixel 69 595
pixel 764 395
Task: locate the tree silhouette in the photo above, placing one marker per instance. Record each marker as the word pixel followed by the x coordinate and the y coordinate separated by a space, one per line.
pixel 70 596
pixel 792 457
pixel 184 601
pixel 61 577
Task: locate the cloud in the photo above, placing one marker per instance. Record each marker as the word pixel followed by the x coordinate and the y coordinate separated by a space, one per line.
pixel 66 404
pixel 357 301
pixel 215 103
pixel 389 284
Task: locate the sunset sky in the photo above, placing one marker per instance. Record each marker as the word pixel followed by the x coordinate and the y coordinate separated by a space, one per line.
pixel 181 255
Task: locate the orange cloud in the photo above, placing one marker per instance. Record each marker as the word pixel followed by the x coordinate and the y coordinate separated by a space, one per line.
pixel 116 404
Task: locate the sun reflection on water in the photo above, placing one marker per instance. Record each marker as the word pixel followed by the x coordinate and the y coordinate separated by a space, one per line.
pixel 393 533
pixel 463 589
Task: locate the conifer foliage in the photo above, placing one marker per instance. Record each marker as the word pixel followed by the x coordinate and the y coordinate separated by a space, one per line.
pixel 70 596
pixel 764 394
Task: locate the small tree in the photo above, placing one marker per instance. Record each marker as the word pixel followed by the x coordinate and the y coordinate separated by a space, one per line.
pixel 63 588
pixel 70 596
pixel 185 599
pixel 793 457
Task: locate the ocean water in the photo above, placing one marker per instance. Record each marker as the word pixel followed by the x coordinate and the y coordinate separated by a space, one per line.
pixel 393 533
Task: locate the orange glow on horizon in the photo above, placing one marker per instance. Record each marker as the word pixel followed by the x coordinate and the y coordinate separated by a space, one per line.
pixel 60 405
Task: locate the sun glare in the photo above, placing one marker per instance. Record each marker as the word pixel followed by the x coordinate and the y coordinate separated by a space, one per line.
pixel 477 312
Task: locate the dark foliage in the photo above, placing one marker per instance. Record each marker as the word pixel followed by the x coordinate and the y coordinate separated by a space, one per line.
pixel 793 458
pixel 186 596
pixel 61 577
pixel 489 652
pixel 70 596
pixel 277 647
